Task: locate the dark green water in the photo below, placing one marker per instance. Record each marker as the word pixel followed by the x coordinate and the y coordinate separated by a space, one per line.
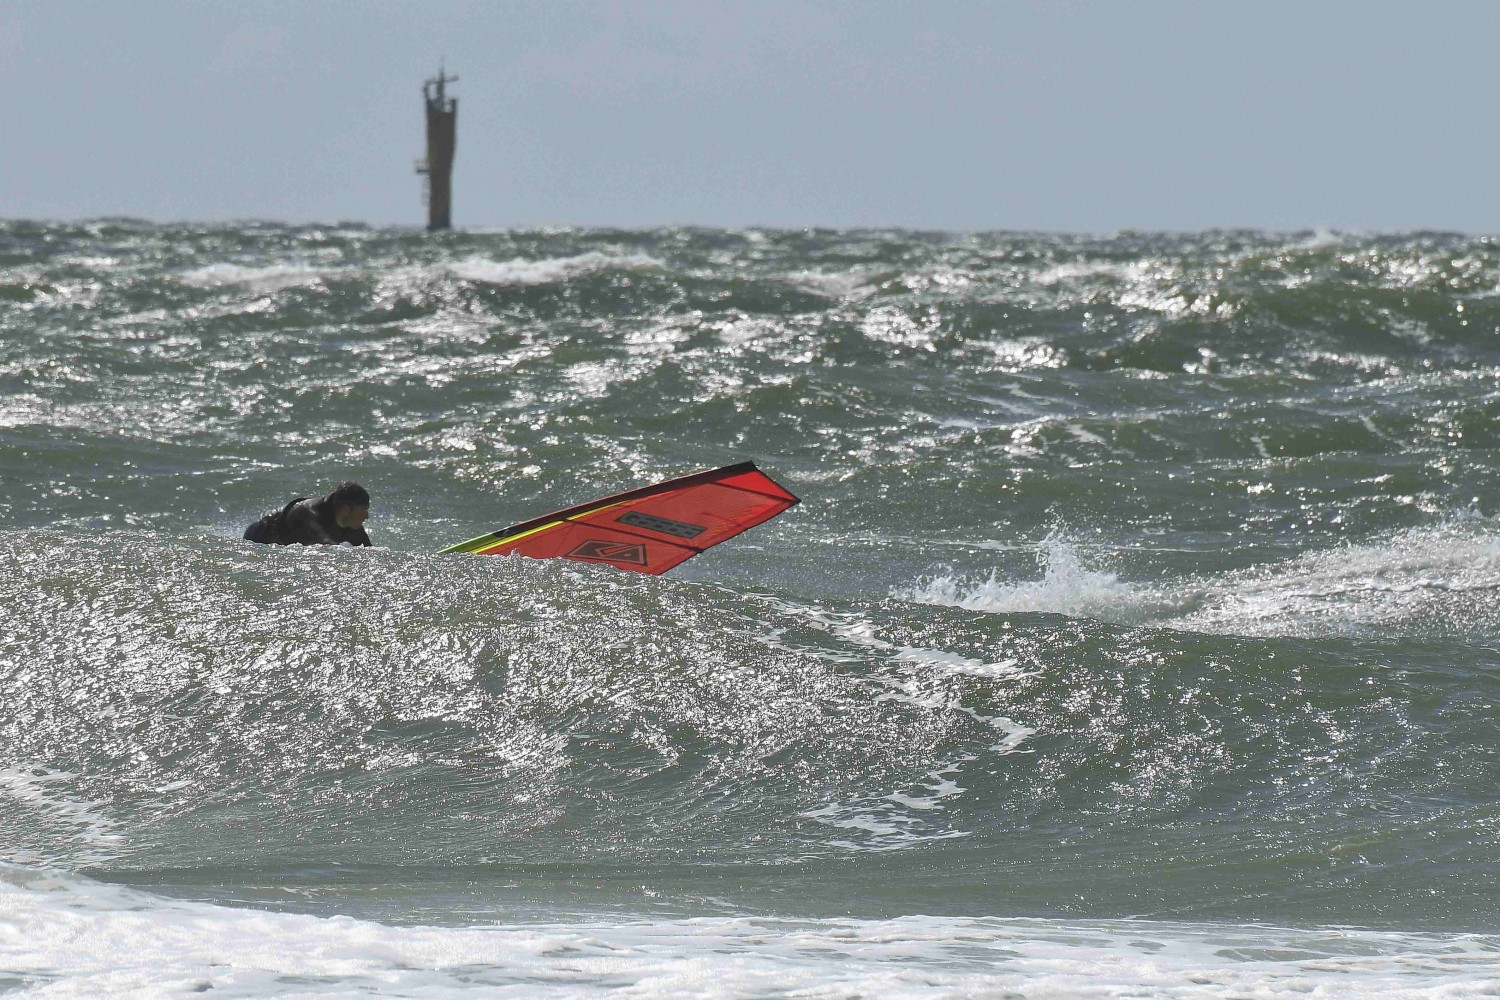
pixel 1136 576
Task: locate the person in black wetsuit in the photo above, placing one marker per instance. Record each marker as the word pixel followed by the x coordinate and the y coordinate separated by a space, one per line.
pixel 332 520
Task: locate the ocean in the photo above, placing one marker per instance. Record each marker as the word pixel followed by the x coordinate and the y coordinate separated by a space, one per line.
pixel 1137 635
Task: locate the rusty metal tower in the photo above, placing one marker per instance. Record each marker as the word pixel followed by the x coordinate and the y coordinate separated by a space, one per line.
pixel 442 135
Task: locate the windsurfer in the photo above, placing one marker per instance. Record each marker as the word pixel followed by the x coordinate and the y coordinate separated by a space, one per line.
pixel 332 520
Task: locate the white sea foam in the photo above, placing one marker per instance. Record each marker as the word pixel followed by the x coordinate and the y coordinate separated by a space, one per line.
pixel 64 937
pixel 1147 285
pixel 34 798
pixel 1443 577
pixel 884 825
pixel 905 674
pixel 544 272
pixel 261 279
pixel 1067 586
pixel 854 283
pixel 1006 669
pixel 1319 239
pixel 903 683
pixel 1083 270
pixel 1434 578
pixel 517 271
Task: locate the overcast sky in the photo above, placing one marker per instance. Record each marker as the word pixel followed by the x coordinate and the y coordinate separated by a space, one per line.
pixel 1071 115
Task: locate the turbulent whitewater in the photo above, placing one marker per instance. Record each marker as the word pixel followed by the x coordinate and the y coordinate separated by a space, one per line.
pixel 1137 633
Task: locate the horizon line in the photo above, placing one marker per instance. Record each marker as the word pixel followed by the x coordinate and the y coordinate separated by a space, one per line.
pixel 488 229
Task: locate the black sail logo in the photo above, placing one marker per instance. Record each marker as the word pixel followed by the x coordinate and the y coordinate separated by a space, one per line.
pixel 595 550
pixel 665 525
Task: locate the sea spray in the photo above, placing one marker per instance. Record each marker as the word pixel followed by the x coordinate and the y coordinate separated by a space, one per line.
pixel 1067 587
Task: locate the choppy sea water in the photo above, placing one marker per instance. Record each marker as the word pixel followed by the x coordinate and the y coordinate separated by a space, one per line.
pixel 1137 634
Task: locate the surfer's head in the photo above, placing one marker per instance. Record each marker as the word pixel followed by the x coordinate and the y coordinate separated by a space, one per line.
pixel 350 503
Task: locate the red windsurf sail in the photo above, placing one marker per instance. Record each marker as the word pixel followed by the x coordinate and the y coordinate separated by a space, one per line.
pixel 647 530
